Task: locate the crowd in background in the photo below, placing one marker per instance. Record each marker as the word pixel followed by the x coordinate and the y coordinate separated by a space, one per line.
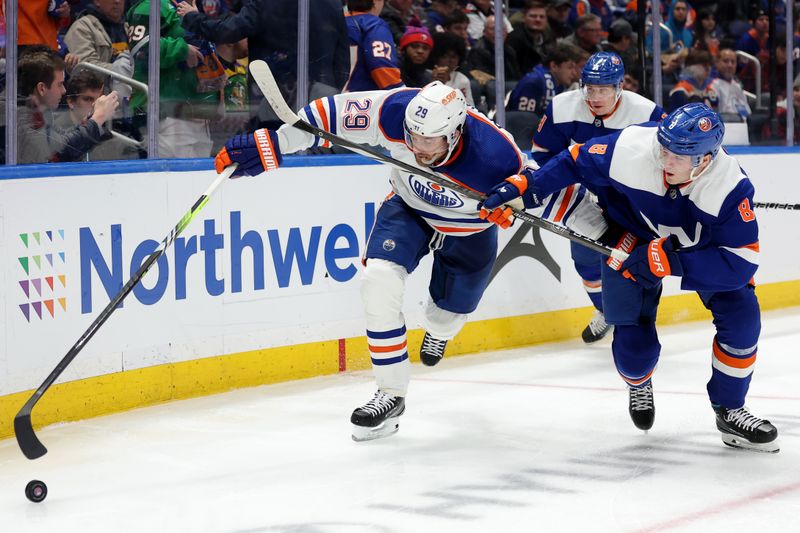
pixel 70 112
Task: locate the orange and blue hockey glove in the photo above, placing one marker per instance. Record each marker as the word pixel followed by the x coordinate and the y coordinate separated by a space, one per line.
pixel 494 208
pixel 254 152
pixel 650 263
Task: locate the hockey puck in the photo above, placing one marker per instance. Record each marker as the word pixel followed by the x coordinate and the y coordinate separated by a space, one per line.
pixel 36 491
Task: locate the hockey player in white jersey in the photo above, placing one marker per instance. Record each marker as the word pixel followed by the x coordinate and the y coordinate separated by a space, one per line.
pixel 600 107
pixel 431 128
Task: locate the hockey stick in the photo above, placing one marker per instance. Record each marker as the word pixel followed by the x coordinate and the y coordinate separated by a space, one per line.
pixel 30 445
pixel 266 82
pixel 776 205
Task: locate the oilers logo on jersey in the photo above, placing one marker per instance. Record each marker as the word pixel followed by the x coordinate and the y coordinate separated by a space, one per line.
pixel 434 194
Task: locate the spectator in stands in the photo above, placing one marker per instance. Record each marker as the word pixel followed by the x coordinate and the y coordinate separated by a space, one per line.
pixel 480 59
pixel 728 95
pixel 693 83
pixel 98 36
pixel 707 34
pixel 270 28
pixel 439 11
pixel 754 42
pixel 601 8
pixel 477 11
pixel 415 50
pixel 396 14
pixel 537 88
pixel 588 34
pixel 83 90
pixel 532 41
pixel 677 22
pixel 558 18
pixel 37 23
pixel 448 54
pixel 41 81
pixel 622 41
pixel 375 51
pixel 185 111
pixel 781 114
pixel 457 24
pixel 630 82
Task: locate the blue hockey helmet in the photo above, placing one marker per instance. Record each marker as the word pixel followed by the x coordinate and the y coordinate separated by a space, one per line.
pixel 693 130
pixel 603 68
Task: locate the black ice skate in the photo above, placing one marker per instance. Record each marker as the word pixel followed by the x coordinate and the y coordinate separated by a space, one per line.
pixel 740 429
pixel 597 329
pixel 378 417
pixel 641 406
pixel 432 350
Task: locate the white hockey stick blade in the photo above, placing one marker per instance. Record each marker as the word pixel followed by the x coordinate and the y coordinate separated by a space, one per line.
pixel 263 77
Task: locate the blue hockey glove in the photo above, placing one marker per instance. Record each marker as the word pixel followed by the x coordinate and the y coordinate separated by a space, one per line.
pixel 650 263
pixel 494 209
pixel 255 152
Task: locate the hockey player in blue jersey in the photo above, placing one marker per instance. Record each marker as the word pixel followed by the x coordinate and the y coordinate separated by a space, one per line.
pixel 600 107
pixel 432 128
pixel 687 209
pixel 373 54
pixel 536 89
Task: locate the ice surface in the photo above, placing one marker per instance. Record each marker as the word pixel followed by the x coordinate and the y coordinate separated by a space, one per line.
pixel 531 439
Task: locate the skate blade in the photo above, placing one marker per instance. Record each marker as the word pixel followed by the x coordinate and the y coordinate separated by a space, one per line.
pixel 738 442
pixel 387 428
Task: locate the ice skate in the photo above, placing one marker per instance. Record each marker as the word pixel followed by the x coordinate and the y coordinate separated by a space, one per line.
pixel 378 417
pixel 597 329
pixel 432 350
pixel 641 406
pixel 741 429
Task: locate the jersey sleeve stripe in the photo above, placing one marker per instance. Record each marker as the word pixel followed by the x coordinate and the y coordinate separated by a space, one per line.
pixel 311 120
pixel 564 203
pixel 574 150
pixel 748 253
pixel 333 115
pixel 386 77
pixel 324 117
pixel 576 202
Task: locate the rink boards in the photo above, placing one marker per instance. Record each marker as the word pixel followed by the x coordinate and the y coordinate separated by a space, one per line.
pixel 263 285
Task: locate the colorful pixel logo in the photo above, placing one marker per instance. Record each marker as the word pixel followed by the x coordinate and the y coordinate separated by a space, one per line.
pixel 42 261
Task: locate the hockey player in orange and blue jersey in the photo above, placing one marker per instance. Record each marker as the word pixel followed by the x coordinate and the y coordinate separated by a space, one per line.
pixel 434 129
pixel 599 108
pixel 688 206
pixel 373 54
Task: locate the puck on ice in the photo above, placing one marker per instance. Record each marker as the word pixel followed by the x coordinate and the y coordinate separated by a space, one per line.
pixel 36 491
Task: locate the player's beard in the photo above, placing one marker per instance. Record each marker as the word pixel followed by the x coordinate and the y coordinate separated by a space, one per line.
pixel 429 161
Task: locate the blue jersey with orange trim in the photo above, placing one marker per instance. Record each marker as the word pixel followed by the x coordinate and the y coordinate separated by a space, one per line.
pixel 484 157
pixel 712 216
pixel 373 54
pixel 534 92
pixel 569 120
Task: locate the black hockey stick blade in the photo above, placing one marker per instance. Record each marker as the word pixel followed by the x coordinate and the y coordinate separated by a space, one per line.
pixel 263 77
pixel 28 442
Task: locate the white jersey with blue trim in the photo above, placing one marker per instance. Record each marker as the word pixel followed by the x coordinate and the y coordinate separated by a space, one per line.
pixel 569 120
pixel 485 156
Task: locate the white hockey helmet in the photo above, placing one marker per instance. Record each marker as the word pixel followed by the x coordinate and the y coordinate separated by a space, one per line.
pixel 437 111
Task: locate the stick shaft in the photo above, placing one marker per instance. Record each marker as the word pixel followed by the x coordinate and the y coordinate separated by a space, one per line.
pixel 30 445
pixel 266 83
